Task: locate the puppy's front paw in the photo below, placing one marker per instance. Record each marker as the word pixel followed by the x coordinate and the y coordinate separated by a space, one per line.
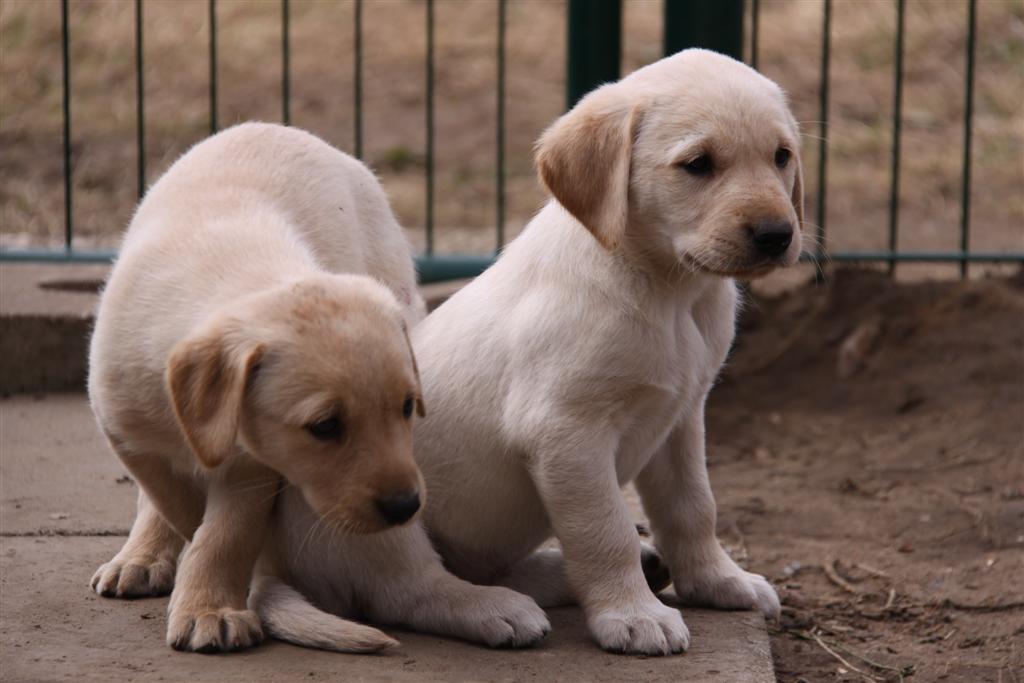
pixel 649 628
pixel 134 577
pixel 213 630
pixel 502 617
pixel 729 587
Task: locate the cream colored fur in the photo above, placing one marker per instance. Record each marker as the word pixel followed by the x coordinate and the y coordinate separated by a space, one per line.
pixel 264 287
pixel 583 358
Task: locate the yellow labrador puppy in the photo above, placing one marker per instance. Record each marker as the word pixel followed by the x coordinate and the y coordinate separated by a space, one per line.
pixel 254 329
pixel 582 359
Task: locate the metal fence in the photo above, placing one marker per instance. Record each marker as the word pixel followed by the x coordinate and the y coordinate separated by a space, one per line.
pixel 593 57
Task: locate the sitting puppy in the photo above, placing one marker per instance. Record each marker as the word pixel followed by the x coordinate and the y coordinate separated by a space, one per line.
pixel 582 359
pixel 252 331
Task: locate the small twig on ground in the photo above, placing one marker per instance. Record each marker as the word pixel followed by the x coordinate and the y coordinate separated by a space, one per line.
pixel 890 600
pixel 899 671
pixel 871 570
pixel 833 576
pixel 839 657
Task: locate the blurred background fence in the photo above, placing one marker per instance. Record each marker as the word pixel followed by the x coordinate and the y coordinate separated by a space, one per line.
pixel 911 111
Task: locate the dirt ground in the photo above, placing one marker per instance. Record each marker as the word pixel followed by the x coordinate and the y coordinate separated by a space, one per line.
pixel 867 450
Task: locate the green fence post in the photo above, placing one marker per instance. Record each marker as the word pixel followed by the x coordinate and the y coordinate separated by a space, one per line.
pixel 714 25
pixel 65 46
pixel 594 46
pixel 286 69
pixel 212 7
pixel 140 104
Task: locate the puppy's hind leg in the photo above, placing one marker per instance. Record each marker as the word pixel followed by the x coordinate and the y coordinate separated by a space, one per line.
pixel 433 600
pixel 542 576
pixel 146 564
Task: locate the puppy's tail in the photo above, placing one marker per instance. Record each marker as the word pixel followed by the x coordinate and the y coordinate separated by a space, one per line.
pixel 288 616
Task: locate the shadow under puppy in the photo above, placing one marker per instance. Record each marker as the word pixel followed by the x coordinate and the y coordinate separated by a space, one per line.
pixel 251 356
pixel 583 358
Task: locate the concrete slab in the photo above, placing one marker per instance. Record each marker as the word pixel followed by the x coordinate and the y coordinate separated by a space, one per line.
pixel 52 627
pixel 62 495
pixel 59 474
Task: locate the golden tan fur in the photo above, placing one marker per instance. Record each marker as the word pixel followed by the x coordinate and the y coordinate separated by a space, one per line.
pixel 222 341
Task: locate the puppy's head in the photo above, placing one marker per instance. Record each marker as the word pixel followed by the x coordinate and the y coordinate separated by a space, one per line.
pixel 315 379
pixel 692 162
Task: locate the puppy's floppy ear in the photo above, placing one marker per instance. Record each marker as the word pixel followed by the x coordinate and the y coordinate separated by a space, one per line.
pixel 584 160
pixel 420 408
pixel 207 376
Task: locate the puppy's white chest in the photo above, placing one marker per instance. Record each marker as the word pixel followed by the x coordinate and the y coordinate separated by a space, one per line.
pixel 681 369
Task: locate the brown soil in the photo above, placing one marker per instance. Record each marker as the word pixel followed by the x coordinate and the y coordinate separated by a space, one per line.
pixel 867 448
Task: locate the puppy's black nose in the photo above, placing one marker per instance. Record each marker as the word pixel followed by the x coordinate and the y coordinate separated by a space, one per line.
pixel 772 237
pixel 399 508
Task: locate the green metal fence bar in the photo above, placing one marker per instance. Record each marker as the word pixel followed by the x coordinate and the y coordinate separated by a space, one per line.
pixel 755 17
pixel 929 257
pixel 444 267
pixel 357 78
pixel 965 189
pixel 499 197
pixel 66 83
pixel 286 98
pixel 43 255
pixel 715 25
pixel 440 267
pixel 140 103
pixel 826 52
pixel 594 46
pixel 212 14
pixel 430 128
pixel 897 124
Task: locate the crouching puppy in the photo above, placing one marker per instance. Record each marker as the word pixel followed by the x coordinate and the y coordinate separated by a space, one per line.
pixel 582 359
pixel 252 337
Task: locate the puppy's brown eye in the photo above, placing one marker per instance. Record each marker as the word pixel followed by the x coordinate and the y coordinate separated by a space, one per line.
pixel 329 429
pixel 782 157
pixel 408 406
pixel 699 165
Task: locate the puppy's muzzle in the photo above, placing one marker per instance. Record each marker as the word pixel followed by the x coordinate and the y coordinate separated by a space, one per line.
pixel 771 237
pixel 399 508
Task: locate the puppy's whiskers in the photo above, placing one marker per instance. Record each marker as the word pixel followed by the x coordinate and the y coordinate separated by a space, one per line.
pixel 284 484
pixel 250 487
pixel 313 528
pixel 812 248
